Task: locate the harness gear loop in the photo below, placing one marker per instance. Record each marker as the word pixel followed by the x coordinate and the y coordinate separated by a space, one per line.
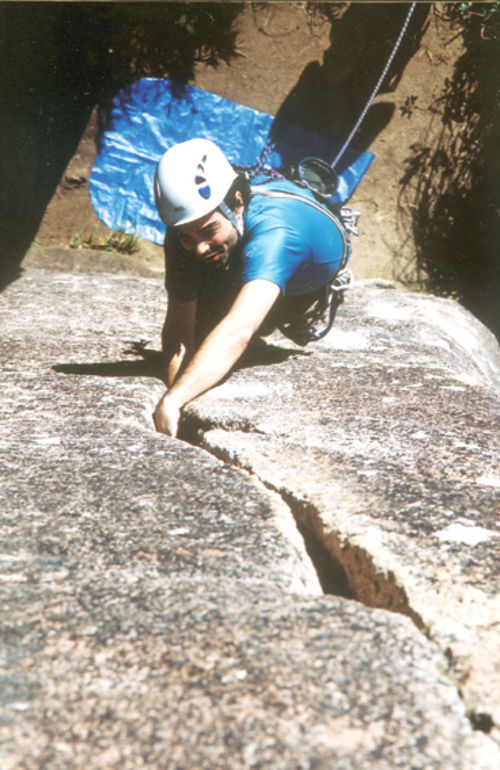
pixel 343 281
pixel 303 329
pixel 349 219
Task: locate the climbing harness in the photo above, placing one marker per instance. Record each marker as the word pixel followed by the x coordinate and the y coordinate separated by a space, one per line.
pixel 317 321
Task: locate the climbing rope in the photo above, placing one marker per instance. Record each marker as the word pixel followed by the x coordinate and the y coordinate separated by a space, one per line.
pixel 303 330
pixel 261 165
pixel 377 86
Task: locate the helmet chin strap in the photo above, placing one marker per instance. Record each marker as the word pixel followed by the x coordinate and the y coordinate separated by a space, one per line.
pixel 235 221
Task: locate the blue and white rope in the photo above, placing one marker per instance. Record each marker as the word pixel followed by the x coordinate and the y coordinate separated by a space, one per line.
pixel 377 86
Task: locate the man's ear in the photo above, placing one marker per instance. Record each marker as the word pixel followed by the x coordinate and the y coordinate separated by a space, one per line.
pixel 240 207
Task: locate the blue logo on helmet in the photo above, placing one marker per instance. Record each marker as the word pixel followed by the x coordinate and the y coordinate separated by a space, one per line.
pixel 201 182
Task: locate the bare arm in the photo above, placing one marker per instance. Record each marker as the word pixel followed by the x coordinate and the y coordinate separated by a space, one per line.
pixel 178 337
pixel 219 352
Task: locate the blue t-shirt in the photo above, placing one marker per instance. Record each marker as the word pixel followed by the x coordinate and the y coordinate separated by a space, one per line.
pixel 297 244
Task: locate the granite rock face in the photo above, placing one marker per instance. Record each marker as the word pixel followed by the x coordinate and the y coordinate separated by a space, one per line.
pixel 384 438
pixel 158 607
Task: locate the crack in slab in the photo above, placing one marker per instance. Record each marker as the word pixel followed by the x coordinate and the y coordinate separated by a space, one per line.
pixel 366 583
pixel 343 569
pixel 192 430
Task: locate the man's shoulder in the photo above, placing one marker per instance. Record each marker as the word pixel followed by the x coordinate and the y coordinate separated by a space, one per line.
pixel 278 195
pixel 281 204
pixel 263 184
pixel 268 202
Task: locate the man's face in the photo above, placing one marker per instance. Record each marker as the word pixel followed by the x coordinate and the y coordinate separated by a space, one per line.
pixel 210 238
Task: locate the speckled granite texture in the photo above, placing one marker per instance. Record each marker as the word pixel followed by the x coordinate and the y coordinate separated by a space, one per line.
pixel 384 440
pixel 158 608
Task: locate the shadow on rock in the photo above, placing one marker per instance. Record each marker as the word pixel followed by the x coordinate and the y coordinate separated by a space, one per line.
pixel 111 369
pixel 262 353
pixel 150 363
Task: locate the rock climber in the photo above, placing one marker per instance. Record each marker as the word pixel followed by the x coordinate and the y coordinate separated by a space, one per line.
pixel 266 249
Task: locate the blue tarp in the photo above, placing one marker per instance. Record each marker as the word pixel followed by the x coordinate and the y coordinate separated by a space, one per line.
pixel 149 117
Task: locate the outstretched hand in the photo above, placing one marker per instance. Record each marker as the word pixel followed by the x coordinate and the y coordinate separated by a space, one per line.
pixel 166 416
pixel 218 352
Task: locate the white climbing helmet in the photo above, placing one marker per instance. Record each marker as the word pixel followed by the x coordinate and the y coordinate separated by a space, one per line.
pixel 192 179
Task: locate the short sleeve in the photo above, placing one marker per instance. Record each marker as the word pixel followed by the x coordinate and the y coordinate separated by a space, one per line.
pixel 273 252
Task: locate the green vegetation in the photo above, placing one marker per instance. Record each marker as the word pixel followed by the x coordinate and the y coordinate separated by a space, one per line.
pixel 450 186
pixel 122 242
pixel 117 241
pixel 484 11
